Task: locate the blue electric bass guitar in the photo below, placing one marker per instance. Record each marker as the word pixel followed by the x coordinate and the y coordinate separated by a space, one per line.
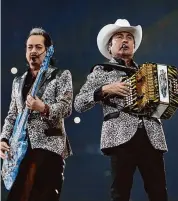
pixel 19 141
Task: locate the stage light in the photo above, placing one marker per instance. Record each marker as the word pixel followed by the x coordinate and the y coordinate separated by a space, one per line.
pixel 77 120
pixel 107 173
pixel 14 70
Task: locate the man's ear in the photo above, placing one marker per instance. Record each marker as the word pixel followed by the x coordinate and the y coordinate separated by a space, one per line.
pixel 109 48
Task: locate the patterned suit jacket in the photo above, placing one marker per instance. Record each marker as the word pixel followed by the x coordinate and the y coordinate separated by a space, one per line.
pixel 44 132
pixel 122 128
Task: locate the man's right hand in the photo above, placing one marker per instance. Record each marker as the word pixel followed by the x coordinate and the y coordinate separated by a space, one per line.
pixel 117 88
pixel 3 147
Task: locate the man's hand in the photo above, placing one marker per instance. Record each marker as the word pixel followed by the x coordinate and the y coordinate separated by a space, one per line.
pixel 3 147
pixel 117 88
pixel 35 104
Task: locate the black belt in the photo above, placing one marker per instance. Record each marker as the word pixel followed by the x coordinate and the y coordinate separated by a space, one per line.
pixel 111 116
pixel 116 115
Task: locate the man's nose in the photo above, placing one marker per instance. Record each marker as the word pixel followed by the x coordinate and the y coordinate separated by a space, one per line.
pixel 33 53
pixel 124 40
pixel 34 50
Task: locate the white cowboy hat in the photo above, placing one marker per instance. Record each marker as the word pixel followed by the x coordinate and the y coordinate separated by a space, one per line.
pixel 109 30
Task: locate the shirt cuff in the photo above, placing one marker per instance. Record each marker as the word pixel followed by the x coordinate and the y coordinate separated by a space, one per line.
pixel 5 140
pixel 45 113
pixel 99 95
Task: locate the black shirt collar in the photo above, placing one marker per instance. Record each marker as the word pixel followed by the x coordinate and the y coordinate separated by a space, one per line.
pixel 122 62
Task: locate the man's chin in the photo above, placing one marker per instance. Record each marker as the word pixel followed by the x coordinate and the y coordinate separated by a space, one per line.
pixel 125 55
pixel 34 65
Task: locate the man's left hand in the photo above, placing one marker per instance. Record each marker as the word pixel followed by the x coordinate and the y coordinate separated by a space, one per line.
pixel 35 104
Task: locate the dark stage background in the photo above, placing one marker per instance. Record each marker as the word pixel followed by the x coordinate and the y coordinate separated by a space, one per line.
pixel 74 26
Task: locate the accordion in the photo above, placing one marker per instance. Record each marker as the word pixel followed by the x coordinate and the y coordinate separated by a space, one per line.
pixel 153 90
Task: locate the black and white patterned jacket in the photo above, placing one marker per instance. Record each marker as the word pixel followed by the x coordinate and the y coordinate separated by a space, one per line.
pixel 121 128
pixel 44 132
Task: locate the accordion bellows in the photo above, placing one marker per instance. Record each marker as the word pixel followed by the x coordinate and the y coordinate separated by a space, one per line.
pixel 153 90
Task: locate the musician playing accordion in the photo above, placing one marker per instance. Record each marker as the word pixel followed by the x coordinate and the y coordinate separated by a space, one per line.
pixel 40 174
pixel 129 139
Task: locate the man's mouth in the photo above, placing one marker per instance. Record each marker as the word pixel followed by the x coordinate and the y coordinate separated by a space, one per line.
pixel 125 47
pixel 33 59
pixel 33 56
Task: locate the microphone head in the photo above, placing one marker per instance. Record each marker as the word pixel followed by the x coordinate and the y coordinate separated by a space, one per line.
pixel 124 45
pixel 34 55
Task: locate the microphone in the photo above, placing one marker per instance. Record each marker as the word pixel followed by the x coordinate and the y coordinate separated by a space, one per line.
pixel 123 46
pixel 35 55
pixel 42 53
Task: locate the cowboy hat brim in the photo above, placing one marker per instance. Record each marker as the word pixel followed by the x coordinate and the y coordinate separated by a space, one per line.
pixel 109 30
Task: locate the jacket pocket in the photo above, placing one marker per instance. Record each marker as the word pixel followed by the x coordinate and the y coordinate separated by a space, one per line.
pixel 53 132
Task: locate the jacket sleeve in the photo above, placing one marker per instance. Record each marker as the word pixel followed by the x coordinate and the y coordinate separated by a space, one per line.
pixel 9 121
pixel 91 93
pixel 62 108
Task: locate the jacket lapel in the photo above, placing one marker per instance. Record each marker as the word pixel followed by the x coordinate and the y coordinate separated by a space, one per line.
pixel 20 88
pixel 45 78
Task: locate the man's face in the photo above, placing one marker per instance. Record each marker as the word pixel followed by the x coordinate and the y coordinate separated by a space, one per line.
pixel 35 51
pixel 116 46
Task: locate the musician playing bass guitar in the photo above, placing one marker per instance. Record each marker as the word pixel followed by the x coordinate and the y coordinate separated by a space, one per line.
pixel 34 144
pixel 130 140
